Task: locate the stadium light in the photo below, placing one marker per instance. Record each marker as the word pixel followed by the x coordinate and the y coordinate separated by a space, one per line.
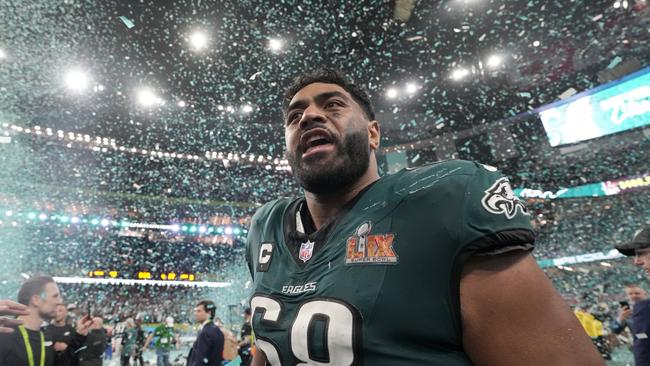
pixel 275 44
pixel 411 88
pixel 9 213
pixel 391 93
pixel 247 108
pixel 494 61
pixel 3 54
pixel 459 74
pixel 536 44
pixel 198 40
pixel 182 104
pixel 76 80
pixel 147 98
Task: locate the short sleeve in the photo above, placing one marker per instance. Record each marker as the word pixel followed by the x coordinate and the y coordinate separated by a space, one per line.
pixel 494 219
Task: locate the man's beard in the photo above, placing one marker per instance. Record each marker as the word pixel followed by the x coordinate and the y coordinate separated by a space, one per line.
pixel 351 162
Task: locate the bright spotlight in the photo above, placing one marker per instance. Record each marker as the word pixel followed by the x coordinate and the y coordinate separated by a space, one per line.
pixel 391 93
pixel 247 109
pixel 182 104
pixel 494 61
pixel 275 44
pixel 198 40
pixel 536 44
pixel 3 54
pixel 411 88
pixel 76 80
pixel 459 73
pixel 147 98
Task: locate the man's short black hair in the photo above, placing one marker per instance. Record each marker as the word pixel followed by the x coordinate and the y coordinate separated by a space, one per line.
pixel 329 76
pixel 33 286
pixel 209 307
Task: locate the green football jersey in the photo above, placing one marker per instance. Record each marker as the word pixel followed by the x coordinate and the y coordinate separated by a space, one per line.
pixel 383 289
pixel 164 337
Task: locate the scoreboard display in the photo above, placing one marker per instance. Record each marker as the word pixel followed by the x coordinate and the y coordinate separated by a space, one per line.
pixel 610 108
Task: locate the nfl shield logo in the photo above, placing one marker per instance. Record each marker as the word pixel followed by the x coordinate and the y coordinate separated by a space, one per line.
pixel 306 250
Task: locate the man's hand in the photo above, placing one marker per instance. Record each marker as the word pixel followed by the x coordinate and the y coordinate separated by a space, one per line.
pixel 60 346
pixel 83 325
pixel 10 308
pixel 624 313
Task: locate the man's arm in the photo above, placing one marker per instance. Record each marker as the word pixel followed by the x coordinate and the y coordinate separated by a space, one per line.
pixel 148 341
pixel 512 315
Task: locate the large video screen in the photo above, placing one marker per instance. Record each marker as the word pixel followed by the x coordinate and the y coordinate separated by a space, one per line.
pixel 614 107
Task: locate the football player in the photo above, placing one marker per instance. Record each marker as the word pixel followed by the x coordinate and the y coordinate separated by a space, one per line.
pixel 428 266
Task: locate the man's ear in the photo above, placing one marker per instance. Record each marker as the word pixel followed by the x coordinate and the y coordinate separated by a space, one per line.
pixel 36 300
pixel 374 134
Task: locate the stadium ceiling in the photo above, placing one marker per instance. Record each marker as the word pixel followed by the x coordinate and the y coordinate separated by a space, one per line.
pixel 199 74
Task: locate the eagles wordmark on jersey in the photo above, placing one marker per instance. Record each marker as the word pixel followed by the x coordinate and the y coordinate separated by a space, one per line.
pixel 379 285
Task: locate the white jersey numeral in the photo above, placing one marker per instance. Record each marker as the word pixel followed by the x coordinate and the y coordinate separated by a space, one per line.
pixel 342 329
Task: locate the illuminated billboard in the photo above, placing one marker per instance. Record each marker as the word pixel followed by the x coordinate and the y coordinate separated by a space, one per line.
pixel 614 107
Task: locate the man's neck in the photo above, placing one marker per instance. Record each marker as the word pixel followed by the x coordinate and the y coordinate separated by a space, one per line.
pixel 32 321
pixel 205 322
pixel 59 323
pixel 322 207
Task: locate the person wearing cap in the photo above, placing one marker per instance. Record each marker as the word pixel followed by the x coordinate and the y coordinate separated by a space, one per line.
pixel 166 338
pixel 639 247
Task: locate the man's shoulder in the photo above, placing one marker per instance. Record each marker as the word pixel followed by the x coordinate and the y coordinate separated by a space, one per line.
pixel 212 330
pixel 271 208
pixel 433 175
pixel 643 304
